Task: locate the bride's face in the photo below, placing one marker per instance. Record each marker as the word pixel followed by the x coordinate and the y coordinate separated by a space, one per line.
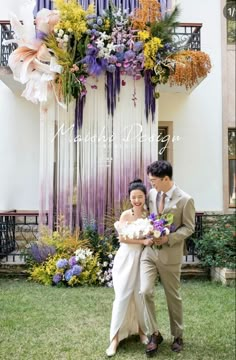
pixel 137 198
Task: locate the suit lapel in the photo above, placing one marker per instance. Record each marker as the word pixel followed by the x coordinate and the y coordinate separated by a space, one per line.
pixel 176 196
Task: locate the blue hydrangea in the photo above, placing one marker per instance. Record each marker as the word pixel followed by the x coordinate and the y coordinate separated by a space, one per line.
pixel 61 263
pixel 76 270
pixel 72 261
pixel 57 278
pixel 99 21
pixel 68 274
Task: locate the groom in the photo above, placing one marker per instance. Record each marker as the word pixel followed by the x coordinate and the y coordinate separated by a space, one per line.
pixel 164 198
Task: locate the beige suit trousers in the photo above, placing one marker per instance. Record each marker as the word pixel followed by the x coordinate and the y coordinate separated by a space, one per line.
pixel 170 278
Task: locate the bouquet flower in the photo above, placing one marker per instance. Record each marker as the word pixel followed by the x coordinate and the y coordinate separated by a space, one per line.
pixel 137 229
pixel 161 225
pixel 154 225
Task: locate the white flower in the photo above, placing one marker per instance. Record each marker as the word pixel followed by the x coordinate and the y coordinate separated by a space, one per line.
pixel 60 33
pixel 111 47
pixel 156 233
pixel 110 256
pixel 105 264
pixel 104 36
pixel 66 38
pixel 167 231
pixel 99 43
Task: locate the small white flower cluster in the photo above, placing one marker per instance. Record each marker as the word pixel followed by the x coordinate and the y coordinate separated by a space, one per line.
pixel 62 38
pixel 105 272
pixel 82 254
pixel 104 50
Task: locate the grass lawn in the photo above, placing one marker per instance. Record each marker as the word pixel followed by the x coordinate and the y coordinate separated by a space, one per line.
pixel 38 322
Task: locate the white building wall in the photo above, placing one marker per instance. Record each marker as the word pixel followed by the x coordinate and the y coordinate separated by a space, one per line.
pixel 19 152
pixel 197 118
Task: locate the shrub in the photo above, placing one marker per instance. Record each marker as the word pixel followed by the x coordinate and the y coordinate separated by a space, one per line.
pixel 217 247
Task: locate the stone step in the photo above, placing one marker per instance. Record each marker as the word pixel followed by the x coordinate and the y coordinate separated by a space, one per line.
pixel 13 270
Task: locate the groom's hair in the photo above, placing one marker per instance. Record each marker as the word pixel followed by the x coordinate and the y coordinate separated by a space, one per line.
pixel 137 184
pixel 160 169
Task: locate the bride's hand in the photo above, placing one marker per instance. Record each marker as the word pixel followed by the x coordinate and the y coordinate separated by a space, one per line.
pixel 148 242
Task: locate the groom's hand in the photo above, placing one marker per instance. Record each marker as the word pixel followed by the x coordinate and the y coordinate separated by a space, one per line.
pixel 161 240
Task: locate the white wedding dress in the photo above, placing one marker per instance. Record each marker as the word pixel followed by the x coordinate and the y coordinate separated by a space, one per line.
pixel 128 311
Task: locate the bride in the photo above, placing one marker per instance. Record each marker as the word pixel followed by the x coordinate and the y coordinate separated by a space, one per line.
pixel 128 312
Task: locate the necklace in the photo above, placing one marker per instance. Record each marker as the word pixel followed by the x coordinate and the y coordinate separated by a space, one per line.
pixel 143 215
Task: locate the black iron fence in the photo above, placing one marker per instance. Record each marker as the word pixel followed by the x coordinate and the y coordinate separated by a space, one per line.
pixel 18 229
pixel 186 36
pixel 6 33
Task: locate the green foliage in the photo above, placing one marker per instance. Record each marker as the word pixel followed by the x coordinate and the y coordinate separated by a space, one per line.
pixel 43 273
pixel 63 240
pixel 217 247
pixel 163 28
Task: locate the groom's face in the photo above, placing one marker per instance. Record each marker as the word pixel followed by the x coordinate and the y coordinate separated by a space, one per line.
pixel 157 182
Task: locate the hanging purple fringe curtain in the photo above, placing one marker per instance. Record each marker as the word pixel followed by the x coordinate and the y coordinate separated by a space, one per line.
pixel 166 5
pixel 40 4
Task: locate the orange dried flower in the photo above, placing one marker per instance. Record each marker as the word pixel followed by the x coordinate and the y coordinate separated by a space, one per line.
pixel 190 66
pixel 148 11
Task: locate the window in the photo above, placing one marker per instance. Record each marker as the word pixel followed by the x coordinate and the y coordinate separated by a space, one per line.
pixel 231 23
pixel 165 141
pixel 232 167
pixel 162 149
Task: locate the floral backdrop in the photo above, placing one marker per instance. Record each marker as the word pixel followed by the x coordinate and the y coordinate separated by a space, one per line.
pixel 96 76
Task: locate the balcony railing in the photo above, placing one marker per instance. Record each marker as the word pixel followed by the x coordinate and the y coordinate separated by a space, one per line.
pixel 17 229
pixel 186 36
pixel 6 33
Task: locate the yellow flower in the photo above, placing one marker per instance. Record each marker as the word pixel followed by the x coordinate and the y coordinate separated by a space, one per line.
pixel 107 24
pixel 143 35
pixel 73 17
pixel 150 51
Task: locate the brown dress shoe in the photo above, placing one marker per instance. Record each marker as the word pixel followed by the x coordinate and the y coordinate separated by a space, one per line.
pixel 177 345
pixel 152 346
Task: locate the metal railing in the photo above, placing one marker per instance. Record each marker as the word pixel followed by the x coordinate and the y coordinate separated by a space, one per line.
pixel 6 33
pixel 17 229
pixel 186 36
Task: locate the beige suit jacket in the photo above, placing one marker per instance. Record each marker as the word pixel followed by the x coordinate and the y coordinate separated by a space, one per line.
pixel 181 205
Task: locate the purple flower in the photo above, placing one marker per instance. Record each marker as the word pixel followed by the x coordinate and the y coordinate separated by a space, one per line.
pixel 76 270
pixel 152 217
pixel 138 46
pixel 68 274
pixel 57 278
pixel 72 261
pixel 172 228
pixel 61 263
pixel 120 56
pixel 120 48
pixel 40 35
pixel 111 68
pixel 112 59
pixel 129 55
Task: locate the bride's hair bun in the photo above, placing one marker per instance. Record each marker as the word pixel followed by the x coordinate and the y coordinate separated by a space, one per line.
pixel 137 184
pixel 136 180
